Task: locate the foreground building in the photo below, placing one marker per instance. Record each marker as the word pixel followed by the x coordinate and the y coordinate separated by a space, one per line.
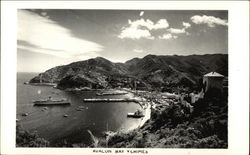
pixel 213 80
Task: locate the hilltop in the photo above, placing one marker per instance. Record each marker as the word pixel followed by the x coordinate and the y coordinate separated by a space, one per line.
pixel 149 72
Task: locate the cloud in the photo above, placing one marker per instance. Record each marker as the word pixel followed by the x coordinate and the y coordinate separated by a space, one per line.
pixel 141 13
pixel 61 54
pixel 161 24
pixel 141 28
pixel 173 32
pixel 168 36
pixel 211 21
pixel 135 33
pixel 186 25
pixel 43 35
pixel 176 31
pixel 138 50
pixel 141 23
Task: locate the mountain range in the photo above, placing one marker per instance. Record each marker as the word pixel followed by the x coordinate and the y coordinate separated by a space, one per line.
pixel 149 72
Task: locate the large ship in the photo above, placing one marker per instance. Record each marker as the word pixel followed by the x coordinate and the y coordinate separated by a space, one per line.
pixel 50 101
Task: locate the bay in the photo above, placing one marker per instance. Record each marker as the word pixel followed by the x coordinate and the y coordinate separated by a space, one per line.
pixel 50 124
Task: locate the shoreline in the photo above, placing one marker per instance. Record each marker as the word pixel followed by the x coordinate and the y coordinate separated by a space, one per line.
pixel 145 105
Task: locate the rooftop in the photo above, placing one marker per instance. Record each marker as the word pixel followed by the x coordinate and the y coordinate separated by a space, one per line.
pixel 213 74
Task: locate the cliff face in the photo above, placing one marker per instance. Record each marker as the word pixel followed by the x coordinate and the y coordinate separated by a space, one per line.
pixel 149 72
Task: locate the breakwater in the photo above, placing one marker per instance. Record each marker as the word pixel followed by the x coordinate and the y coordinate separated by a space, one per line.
pixel 110 100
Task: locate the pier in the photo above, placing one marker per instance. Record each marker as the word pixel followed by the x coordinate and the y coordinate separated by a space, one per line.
pixel 103 94
pixel 42 84
pixel 110 100
pixel 52 104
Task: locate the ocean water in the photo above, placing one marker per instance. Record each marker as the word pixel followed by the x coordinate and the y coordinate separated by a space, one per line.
pixel 50 123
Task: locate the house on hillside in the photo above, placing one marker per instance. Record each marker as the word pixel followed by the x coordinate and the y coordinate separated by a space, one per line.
pixel 213 80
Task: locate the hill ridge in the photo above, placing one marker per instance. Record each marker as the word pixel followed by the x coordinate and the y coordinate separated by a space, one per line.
pixel 152 70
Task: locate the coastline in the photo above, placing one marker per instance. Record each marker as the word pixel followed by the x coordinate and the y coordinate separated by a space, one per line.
pixel 171 119
pixel 146 105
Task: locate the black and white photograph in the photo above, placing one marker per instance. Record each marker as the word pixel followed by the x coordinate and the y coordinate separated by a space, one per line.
pixel 124 79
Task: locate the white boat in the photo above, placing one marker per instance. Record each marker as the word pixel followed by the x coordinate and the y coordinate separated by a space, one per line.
pixel 25 114
pixel 137 114
pixel 50 101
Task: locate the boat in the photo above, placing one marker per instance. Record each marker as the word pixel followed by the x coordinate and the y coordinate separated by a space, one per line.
pixel 25 114
pixel 50 101
pixel 65 115
pixel 45 108
pixel 80 108
pixel 137 114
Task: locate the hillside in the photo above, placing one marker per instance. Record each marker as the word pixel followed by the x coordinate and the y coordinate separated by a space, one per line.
pixel 149 72
pixel 186 70
pixel 171 127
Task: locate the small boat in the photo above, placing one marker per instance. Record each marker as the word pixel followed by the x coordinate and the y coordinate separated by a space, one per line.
pixel 65 115
pixel 45 108
pixel 137 114
pixel 80 108
pixel 51 101
pixel 25 114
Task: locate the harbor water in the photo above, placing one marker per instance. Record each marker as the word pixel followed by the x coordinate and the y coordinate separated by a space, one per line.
pixel 51 124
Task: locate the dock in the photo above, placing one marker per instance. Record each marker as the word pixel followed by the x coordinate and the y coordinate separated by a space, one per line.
pixel 103 94
pixel 110 100
pixel 41 84
pixel 51 103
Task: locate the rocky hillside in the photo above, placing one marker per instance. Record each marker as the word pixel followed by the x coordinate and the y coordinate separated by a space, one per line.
pixel 149 72
pixel 173 127
pixel 184 70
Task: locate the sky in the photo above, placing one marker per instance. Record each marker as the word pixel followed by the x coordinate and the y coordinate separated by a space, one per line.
pixel 48 38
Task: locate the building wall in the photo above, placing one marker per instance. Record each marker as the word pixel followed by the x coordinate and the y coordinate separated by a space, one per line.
pixel 213 82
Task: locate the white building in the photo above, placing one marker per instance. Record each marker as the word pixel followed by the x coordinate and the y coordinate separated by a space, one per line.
pixel 212 80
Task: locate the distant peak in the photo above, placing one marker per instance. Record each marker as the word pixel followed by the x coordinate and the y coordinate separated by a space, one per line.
pixel 133 60
pixel 150 55
pixel 100 58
